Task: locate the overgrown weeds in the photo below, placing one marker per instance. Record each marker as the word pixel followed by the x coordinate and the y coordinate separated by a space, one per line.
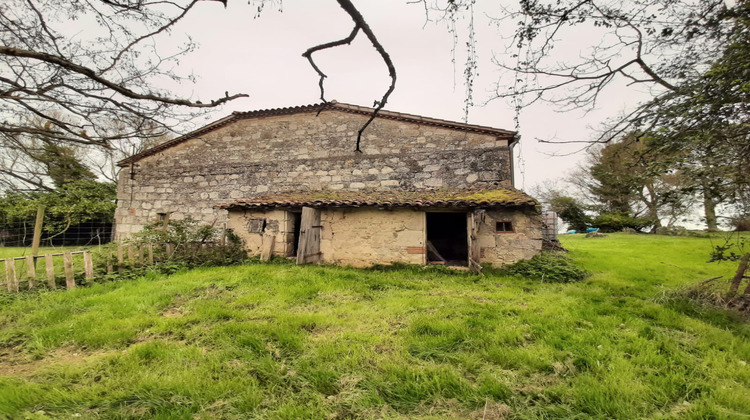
pixel 715 293
pixel 548 266
pixel 178 245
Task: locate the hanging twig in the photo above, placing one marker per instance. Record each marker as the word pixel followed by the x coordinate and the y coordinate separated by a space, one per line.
pixel 359 24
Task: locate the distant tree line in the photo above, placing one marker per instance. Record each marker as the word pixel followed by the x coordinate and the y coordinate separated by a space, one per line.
pixel 638 183
pixel 688 145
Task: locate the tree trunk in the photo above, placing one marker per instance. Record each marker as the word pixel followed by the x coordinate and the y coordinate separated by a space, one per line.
pixel 654 215
pixel 709 209
pixel 740 274
pixel 652 205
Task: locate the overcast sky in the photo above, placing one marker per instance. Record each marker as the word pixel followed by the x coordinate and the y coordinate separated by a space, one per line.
pixel 262 57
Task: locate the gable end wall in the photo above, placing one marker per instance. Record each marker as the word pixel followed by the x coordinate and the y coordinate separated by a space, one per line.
pixel 260 156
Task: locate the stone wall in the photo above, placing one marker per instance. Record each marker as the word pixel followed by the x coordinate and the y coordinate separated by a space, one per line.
pixel 302 152
pixel 362 237
pixel 277 223
pixel 525 241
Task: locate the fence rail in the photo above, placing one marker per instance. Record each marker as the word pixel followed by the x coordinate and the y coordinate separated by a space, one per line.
pixel 118 260
pixel 13 282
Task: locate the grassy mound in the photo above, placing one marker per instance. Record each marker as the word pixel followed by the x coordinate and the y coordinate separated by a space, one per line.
pixel 282 341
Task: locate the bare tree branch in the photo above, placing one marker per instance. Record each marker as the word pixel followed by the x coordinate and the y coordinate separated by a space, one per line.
pixel 359 24
pixel 91 74
pixel 67 88
pixel 308 54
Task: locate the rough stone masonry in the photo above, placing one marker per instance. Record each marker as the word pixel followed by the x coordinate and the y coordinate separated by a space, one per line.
pixel 304 149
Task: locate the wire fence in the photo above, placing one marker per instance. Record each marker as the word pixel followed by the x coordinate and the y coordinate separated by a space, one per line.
pixel 549 225
pixel 21 234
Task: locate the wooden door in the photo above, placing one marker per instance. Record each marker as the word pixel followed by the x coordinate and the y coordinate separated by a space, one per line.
pixel 473 221
pixel 308 247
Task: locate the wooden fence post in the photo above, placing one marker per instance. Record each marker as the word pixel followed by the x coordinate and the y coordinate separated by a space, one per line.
pixel 169 249
pixel 131 255
pixel 31 270
pixel 110 267
pixel 49 265
pixel 70 281
pixel 37 231
pixel 120 259
pixel 150 254
pixel 10 274
pixel 88 265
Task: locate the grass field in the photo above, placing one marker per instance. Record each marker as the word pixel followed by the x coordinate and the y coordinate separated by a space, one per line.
pixel 281 341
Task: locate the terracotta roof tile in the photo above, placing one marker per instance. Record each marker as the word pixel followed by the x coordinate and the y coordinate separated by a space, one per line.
pixel 466 198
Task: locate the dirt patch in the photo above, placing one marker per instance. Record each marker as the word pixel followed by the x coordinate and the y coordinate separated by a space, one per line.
pixel 492 410
pixel 16 363
pixel 179 306
pixel 177 312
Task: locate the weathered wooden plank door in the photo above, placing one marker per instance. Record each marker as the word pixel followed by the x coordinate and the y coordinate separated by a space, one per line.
pixel 308 248
pixel 473 237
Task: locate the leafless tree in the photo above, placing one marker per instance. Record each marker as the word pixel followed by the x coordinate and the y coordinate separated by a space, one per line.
pixel 572 53
pixel 659 46
pixel 97 89
pixel 78 82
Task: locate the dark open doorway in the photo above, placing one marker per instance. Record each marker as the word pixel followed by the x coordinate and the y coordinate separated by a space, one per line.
pixel 297 218
pixel 447 240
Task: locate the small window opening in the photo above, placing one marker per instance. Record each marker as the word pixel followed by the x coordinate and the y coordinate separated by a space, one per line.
pixel 504 226
pixel 447 239
pixel 256 225
pixel 163 220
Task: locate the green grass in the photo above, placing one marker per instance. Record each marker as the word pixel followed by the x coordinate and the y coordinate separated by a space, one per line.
pixel 281 341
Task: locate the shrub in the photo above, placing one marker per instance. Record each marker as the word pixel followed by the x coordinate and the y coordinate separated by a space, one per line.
pixel 193 244
pixel 733 248
pixel 712 293
pixel 740 223
pixel 552 267
pixel 616 222
pixel 571 212
pixel 178 232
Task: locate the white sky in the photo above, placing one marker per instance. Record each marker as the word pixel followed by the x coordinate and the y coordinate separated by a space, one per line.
pixel 262 57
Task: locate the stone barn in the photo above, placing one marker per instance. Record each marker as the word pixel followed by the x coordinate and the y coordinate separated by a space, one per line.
pixel 289 183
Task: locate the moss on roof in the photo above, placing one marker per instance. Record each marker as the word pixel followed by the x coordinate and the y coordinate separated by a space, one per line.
pixel 497 195
pixel 502 196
